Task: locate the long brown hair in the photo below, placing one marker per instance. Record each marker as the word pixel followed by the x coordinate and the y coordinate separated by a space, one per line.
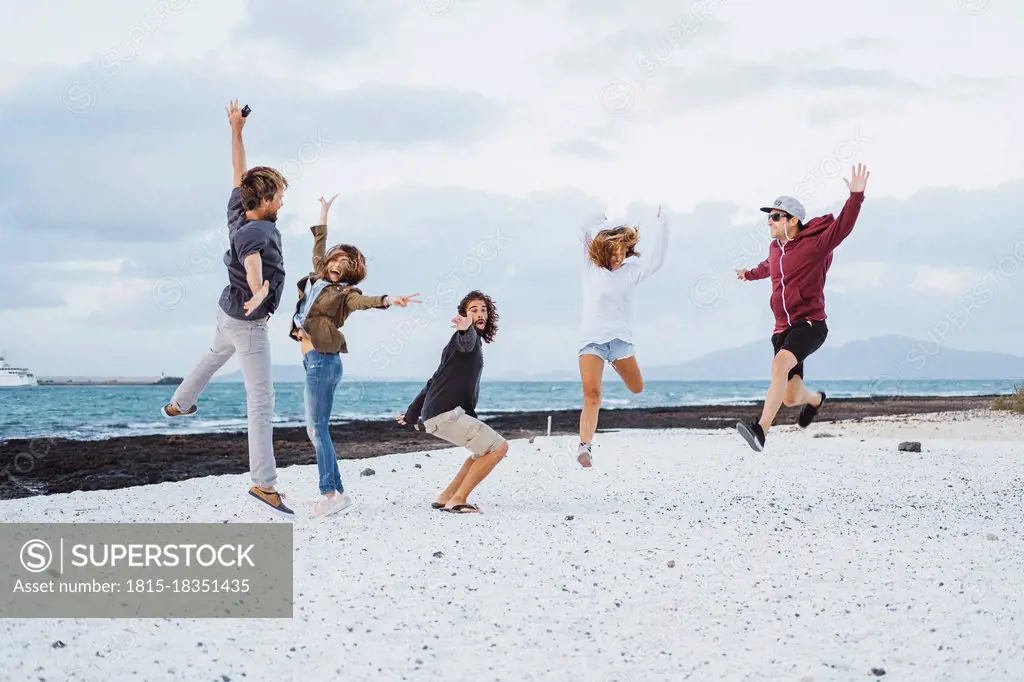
pixel 491 326
pixel 354 271
pixel 606 242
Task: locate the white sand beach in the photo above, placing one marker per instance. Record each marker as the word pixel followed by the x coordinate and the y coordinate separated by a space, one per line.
pixel 682 555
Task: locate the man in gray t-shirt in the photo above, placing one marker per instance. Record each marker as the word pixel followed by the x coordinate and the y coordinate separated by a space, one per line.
pixel 256 279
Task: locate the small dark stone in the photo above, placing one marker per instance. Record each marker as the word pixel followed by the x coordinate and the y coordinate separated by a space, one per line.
pixel 419 466
pixel 225 678
pixel 58 644
pixel 671 564
pixel 367 472
pixel 878 672
pixel 570 517
pixel 438 555
pixel 910 446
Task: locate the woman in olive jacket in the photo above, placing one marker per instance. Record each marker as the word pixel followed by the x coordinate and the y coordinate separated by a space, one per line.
pixel 327 296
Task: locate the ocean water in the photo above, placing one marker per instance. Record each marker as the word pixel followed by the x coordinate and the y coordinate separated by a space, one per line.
pixel 95 412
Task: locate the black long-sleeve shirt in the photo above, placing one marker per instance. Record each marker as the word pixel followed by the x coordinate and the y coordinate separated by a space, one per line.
pixel 456 383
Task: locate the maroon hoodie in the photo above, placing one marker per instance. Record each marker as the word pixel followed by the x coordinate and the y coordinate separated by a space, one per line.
pixel 798 268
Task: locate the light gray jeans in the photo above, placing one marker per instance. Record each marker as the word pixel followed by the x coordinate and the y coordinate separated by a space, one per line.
pixel 251 340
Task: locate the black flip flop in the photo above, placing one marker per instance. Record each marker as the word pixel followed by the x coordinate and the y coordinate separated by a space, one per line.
pixel 436 505
pixel 463 509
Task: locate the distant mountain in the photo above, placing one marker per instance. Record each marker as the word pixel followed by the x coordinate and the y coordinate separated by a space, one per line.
pixel 885 358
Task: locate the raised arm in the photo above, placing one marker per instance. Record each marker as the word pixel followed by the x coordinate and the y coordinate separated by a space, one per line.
pixel 653 261
pixel 841 228
pixel 465 340
pixel 594 222
pixel 320 233
pixel 237 122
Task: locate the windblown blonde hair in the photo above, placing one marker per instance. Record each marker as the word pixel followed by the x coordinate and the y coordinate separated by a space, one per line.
pixel 606 242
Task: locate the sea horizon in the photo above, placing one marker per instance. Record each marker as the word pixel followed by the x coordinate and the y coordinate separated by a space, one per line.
pixel 56 411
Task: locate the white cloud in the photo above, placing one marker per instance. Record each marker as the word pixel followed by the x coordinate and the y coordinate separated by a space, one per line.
pixel 490 115
pixel 945 280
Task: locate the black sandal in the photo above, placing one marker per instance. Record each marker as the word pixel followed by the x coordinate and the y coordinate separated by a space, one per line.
pixel 436 505
pixel 463 509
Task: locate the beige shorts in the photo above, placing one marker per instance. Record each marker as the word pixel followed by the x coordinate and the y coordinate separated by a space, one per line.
pixel 458 428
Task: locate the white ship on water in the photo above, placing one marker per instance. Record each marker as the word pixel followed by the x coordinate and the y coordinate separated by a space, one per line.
pixel 15 376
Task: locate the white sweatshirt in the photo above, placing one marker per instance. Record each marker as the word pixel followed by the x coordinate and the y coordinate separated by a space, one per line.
pixel 608 295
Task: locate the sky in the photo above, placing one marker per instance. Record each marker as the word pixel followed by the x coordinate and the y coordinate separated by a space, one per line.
pixel 468 140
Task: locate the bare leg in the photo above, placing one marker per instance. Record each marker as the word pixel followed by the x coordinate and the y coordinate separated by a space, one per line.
pixel 783 362
pixel 797 394
pixel 591 372
pixel 478 471
pixel 629 370
pixel 447 493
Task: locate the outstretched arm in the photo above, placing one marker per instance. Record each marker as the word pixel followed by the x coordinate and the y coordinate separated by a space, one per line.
pixel 237 122
pixel 847 218
pixel 760 272
pixel 653 262
pixel 465 338
pixel 320 233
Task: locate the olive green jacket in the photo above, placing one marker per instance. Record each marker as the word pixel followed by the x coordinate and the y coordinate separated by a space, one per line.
pixel 331 308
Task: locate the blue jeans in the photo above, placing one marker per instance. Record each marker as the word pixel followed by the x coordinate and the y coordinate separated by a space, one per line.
pixel 323 372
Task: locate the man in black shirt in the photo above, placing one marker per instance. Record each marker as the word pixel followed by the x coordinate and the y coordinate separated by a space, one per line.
pixel 446 407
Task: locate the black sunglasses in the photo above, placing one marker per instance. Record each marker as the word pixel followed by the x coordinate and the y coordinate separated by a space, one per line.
pixel 776 217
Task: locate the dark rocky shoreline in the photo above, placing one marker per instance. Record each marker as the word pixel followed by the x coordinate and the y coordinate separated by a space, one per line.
pixel 51 466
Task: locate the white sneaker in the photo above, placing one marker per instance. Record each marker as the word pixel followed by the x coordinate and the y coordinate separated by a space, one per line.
pixel 326 506
pixel 584 457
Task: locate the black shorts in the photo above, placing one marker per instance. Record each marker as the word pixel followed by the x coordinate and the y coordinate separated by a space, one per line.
pixel 801 340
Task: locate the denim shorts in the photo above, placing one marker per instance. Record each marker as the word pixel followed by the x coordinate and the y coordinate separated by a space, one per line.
pixel 610 351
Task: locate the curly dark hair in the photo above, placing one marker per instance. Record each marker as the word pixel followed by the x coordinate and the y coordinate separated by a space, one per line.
pixel 491 326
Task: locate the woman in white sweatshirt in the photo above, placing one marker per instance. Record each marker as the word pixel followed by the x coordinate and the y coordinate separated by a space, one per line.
pixel 612 270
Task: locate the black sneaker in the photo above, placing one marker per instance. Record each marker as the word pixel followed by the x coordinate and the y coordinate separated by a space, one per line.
pixel 809 412
pixel 753 434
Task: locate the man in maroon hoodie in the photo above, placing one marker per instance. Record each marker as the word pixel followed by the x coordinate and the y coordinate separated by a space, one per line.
pixel 798 260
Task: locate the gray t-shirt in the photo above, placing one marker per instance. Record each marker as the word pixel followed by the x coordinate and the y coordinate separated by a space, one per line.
pixel 246 237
